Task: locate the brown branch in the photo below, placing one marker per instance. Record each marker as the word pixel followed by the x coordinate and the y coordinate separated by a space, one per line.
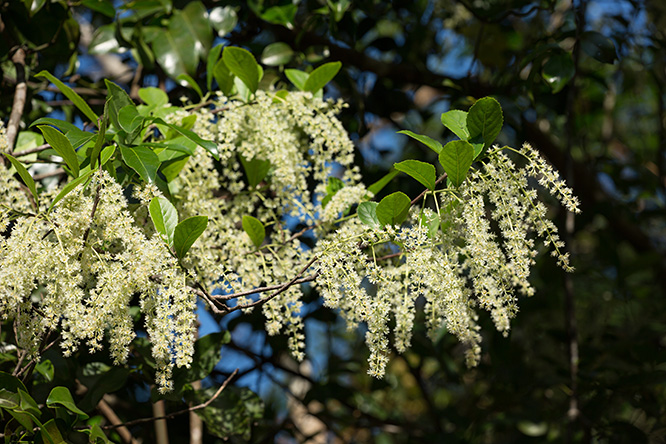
pixel 423 193
pixel 58 172
pixel 226 297
pixel 180 412
pixel 111 416
pixel 20 94
pixel 37 149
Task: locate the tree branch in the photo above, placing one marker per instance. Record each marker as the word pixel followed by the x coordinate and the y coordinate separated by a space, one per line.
pixel 20 94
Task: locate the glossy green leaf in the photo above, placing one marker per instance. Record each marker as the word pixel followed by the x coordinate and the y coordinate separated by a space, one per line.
pixel 421 171
pixel 96 435
pixel 598 46
pixel 8 399
pixel 427 141
pixel 456 121
pixel 186 79
pixel 456 158
pixel 223 77
pixel 223 19
pixel 62 146
pixel 142 160
pixel 117 100
pixel 102 6
pixel 276 54
pixel 297 78
pixel 211 61
pixel 28 404
pixel 69 187
pixel 165 218
pixel 194 19
pixel 25 419
pixel 60 396
pixel 71 95
pixel 367 213
pixel 255 229
pixel 243 65
pixel 321 76
pixel 393 209
pixel 104 40
pixel 174 50
pixel 11 383
pixel 255 170
pixel 280 15
pixel 376 187
pixel 187 232
pixel 485 119
pixel 25 176
pixel 558 70
pixel 105 155
pixel 79 138
pixel 152 96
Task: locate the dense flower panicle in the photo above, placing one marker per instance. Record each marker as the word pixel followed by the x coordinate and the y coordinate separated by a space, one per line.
pixel 78 268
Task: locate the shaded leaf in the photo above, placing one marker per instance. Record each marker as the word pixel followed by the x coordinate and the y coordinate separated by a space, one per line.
pixel 231 413
pixel 255 170
pixel 63 147
pixel 255 229
pixel 558 70
pixel 297 78
pixel 223 19
pixel 187 232
pixel 69 187
pixel 142 160
pixel 223 77
pixel 431 221
pixel 23 173
pixel 71 95
pixel 367 213
pixel 243 65
pixel 598 46
pixel 186 79
pixel 61 396
pixel 211 61
pixel 275 54
pixel 485 119
pixel 194 19
pixel 456 121
pixel 117 100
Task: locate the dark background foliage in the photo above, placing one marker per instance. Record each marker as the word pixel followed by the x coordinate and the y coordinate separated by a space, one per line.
pixel 583 81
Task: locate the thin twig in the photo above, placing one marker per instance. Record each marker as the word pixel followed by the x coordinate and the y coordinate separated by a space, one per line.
pixel 226 297
pixel 58 172
pixel 110 415
pixel 423 193
pixel 180 412
pixel 20 94
pixel 38 149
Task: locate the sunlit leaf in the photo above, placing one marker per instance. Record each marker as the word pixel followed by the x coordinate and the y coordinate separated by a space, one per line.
pixel 187 232
pixel 456 158
pixel 255 229
pixel 421 171
pixel 393 209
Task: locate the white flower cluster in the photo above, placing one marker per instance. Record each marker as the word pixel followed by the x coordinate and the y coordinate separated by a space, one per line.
pixel 374 275
pixel 78 270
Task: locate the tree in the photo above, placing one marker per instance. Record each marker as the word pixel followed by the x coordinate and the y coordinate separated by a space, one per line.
pixel 272 146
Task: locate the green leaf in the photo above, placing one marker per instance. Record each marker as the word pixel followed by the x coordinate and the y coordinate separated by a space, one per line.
pixel 187 232
pixel 207 354
pixel 71 95
pixel 52 432
pixel 60 124
pixel 186 79
pixel 104 41
pixel 99 379
pixel 421 171
pixel 223 77
pixel 223 19
pixel 28 405
pixel 332 187
pixel 165 218
pixel 11 383
pixel 255 170
pixel 280 15
pixel 25 419
pixel 376 187
pixel 393 209
pixel 102 6
pixel 142 160
pixel 8 399
pixel 456 121
pixel 117 99
pixel 99 143
pixel 485 119
pixel 105 155
pixel 25 176
pixel 27 140
pixel 153 96
pixel 456 158
pixel 367 213
pixel 63 147
pixel 233 412
pixel 427 141
pixel 243 65
pixel 194 19
pixel 297 78
pixel 255 229
pixel 46 369
pixel 129 118
pixel 208 145
pixel 174 49
pixel 321 76
pixel 598 46
pixel 96 435
pixel 69 187
pixel 61 396
pixel 211 61
pixel 276 54
pixel 558 70
pixel 431 221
